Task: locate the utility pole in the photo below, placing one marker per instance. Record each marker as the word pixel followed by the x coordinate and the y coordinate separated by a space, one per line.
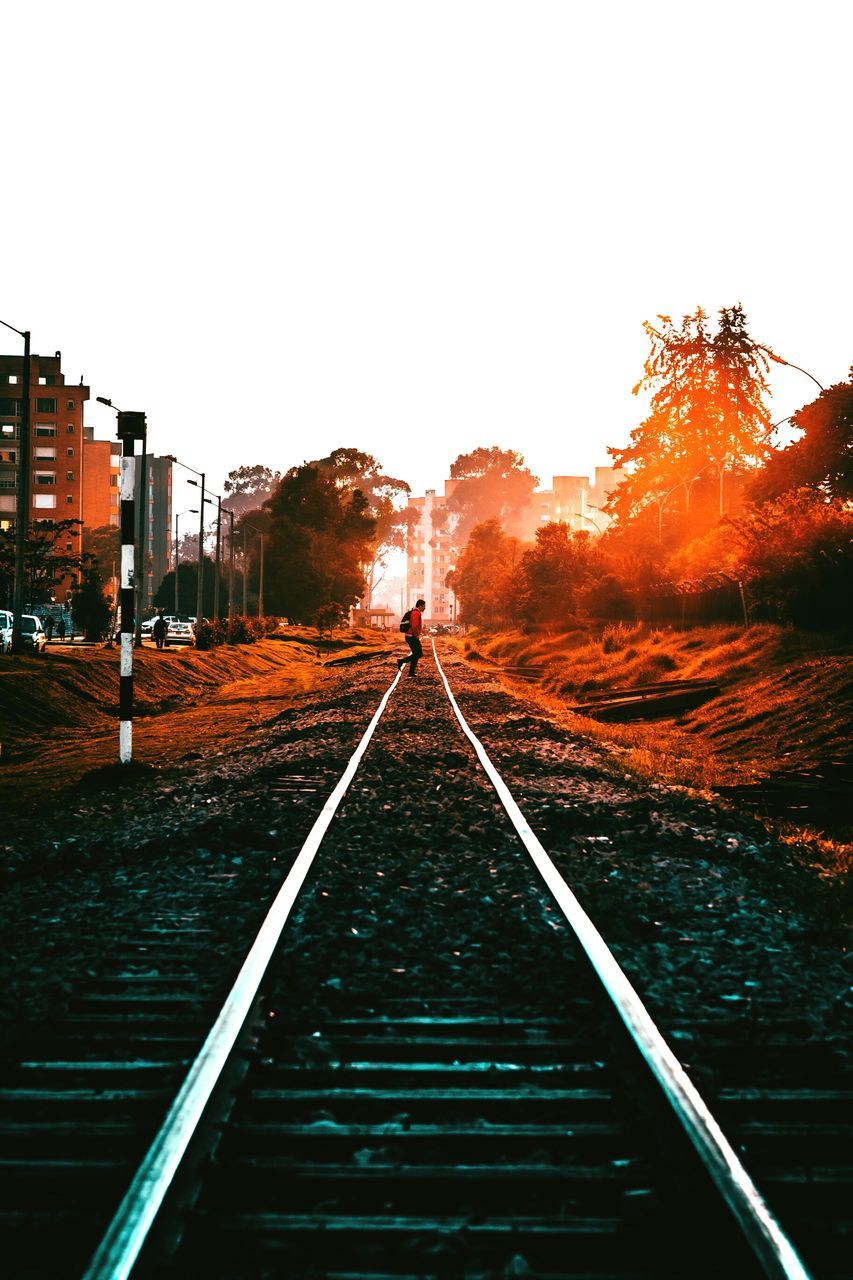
pixel 218 557
pixel 200 592
pixel 230 515
pixel 142 540
pixel 261 584
pixel 245 575
pixel 131 427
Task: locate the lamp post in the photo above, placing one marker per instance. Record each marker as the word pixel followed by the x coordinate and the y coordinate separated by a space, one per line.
pixel 230 514
pixel 261 536
pixel 190 511
pixel 22 497
pixel 170 457
pixel 131 427
pixel 778 360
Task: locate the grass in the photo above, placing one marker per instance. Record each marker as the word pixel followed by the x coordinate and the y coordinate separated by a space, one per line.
pixel 786 703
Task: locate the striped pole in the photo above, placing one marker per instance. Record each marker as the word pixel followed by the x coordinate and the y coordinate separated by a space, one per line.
pixel 125 688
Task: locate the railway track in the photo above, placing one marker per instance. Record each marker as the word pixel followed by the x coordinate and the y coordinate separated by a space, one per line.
pixel 373 1110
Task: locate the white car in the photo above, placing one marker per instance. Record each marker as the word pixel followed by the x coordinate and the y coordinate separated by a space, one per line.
pixel 32 635
pixel 180 633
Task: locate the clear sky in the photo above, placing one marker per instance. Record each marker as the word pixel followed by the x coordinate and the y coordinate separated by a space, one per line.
pixel 417 228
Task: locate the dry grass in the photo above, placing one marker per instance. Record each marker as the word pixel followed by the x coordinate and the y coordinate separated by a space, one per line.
pixel 786 703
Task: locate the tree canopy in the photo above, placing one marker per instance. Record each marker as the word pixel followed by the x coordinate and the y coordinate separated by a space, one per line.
pixel 707 414
pixel 484 580
pixel 822 458
pixel 248 488
pixel 490 484
pixel 321 535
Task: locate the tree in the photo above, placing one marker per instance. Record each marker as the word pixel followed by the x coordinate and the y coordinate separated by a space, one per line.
pixel 47 562
pixel 553 573
pixel 351 469
pixel 490 484
pixel 484 579
pixel 103 544
pixel 164 596
pixel 91 610
pixel 822 458
pixel 248 488
pixel 707 416
pixel 320 537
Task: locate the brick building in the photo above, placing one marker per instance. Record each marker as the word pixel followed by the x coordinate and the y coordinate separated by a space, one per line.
pixel 56 443
pixel 101 481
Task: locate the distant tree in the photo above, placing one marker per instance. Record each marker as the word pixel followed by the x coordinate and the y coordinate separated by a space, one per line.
pixel 822 458
pixel 104 545
pixel 91 608
pixel 707 416
pixel 351 469
pixel 248 488
pixel 321 536
pixel 554 572
pixel 485 578
pixel 164 596
pixel 491 484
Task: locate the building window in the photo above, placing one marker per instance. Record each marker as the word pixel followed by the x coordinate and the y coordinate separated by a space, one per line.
pixel 69 452
pixel 44 500
pixel 69 498
pixel 113 482
pixel 13 379
pixel 45 404
pixel 70 428
pixel 9 407
pixel 44 430
pixel 45 477
pixel 69 546
pixel 69 404
pixel 45 453
pixel 8 429
pixel 42 382
pixel 69 475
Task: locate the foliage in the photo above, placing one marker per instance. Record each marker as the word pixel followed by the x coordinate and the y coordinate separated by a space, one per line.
pixel 164 596
pixel 329 616
pixel 491 484
pixel 707 416
pixel 103 544
pixel 248 488
pixel 796 555
pixel 553 573
pixel 321 536
pixel 822 458
pixel 484 579
pixel 91 610
pixel 46 561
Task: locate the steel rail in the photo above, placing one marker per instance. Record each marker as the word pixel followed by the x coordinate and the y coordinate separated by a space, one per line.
pixel 120 1247
pixel 771 1246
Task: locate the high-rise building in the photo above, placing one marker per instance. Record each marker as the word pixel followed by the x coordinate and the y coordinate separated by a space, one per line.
pixel 574 501
pixel 56 444
pixel 431 556
pixel 157 523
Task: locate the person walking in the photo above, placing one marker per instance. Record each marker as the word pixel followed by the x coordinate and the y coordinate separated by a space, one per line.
pixel 413 638
pixel 48 627
pixel 60 627
pixel 159 630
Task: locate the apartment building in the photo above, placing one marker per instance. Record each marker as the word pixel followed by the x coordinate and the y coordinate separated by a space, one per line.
pixel 101 481
pixel 157 523
pixel 56 443
pixel 431 556
pixel 573 500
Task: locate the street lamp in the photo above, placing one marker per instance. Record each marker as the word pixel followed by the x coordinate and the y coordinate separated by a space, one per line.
pixel 22 498
pixel 190 511
pixel 230 514
pixel 199 596
pixel 261 537
pixel 778 360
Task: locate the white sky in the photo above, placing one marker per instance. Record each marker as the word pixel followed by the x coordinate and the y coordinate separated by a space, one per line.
pixel 415 229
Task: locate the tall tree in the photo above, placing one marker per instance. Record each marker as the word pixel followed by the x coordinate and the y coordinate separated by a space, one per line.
pixel 91 610
pixel 484 580
pixel 320 538
pixel 47 562
pixel 248 488
pixel 490 484
pixel 351 469
pixel 553 573
pixel 707 414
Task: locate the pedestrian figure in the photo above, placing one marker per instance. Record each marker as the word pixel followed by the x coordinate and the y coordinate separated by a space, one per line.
pixel 159 630
pixel 48 626
pixel 413 638
pixel 60 627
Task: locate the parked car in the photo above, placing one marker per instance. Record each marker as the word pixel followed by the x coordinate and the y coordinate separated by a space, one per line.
pixel 32 634
pixel 180 633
